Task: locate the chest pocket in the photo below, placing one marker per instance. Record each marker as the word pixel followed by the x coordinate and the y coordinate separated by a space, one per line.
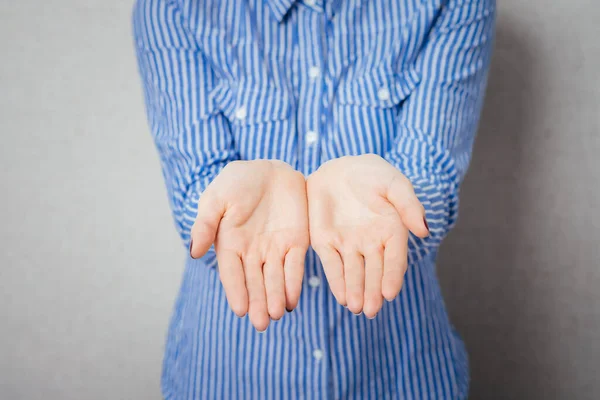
pixel 378 89
pixel 260 117
pixel 366 110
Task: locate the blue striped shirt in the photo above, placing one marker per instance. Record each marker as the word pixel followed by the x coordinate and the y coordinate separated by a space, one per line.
pixel 306 81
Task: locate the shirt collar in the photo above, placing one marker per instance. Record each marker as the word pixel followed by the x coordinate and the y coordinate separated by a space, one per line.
pixel 280 7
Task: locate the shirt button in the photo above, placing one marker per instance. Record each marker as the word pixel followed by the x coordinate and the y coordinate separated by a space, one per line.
pixel 314 281
pixel 310 2
pixel 241 113
pixel 311 137
pixel 314 72
pixel 318 354
pixel 383 94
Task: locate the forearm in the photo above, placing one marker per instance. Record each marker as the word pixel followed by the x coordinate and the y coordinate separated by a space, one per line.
pixel 192 137
pixel 437 123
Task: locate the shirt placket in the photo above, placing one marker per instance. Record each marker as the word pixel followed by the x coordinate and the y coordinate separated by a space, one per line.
pixel 312 118
pixel 312 65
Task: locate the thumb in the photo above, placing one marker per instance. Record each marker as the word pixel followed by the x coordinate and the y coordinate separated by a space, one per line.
pixel 204 230
pixel 402 196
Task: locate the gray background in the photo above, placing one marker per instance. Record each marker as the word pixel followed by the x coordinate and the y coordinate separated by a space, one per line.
pixel 90 262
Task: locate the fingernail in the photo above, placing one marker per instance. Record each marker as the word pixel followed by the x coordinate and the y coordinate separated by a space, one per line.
pixel 373 317
pixel 289 309
pixel 360 313
pixel 425 222
pixel 191 244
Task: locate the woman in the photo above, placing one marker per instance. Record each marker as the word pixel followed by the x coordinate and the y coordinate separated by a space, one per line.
pixel 346 125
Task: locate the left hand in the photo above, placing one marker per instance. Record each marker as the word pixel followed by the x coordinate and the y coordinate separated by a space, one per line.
pixel 360 211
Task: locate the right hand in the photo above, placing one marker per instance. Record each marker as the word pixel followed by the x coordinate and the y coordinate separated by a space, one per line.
pixel 256 214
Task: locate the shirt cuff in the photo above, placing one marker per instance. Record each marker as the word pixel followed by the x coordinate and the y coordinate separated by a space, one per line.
pixel 439 196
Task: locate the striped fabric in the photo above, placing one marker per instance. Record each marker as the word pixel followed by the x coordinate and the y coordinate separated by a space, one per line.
pixel 305 82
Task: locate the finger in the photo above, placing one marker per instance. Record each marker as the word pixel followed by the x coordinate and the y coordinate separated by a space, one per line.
pixel 354 273
pixel 204 230
pixel 232 277
pixel 373 276
pixel 394 264
pixel 293 271
pixel 275 288
pixel 334 272
pixel 257 300
pixel 402 196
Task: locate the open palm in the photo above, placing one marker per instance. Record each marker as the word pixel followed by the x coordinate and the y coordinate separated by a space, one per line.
pixel 361 209
pixel 255 212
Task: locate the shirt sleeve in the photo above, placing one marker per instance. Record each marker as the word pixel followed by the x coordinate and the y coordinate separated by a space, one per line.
pixel 438 121
pixel 193 139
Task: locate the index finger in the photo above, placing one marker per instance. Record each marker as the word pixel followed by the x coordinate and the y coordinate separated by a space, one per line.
pixel 233 280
